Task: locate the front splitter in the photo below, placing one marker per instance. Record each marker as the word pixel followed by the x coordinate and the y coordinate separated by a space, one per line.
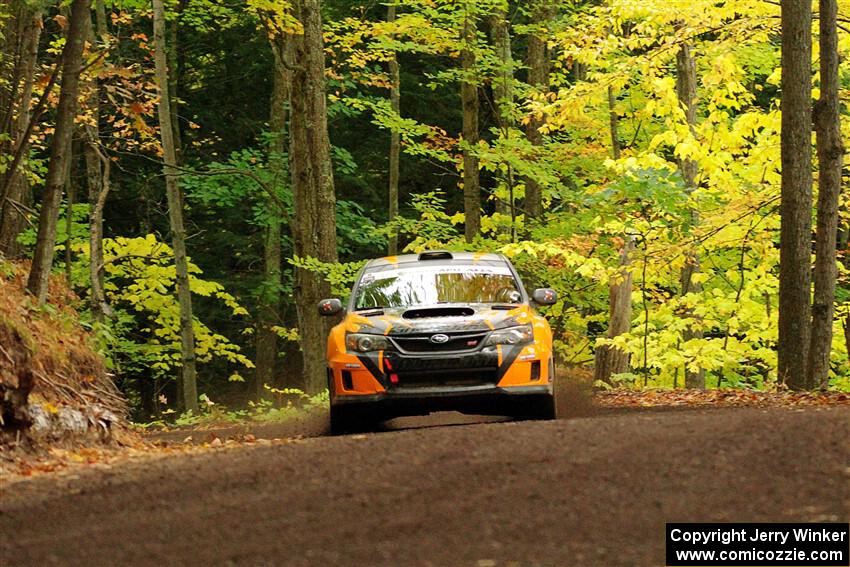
pixel 483 400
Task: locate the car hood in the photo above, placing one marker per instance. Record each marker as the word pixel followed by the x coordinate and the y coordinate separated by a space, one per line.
pixel 437 319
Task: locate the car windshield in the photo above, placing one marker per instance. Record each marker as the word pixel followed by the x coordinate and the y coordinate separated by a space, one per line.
pixel 429 285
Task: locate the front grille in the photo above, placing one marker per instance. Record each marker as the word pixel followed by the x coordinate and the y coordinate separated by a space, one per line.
pixel 458 342
pixel 472 377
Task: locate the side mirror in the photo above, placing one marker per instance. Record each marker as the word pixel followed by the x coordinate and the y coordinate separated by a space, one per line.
pixel 544 296
pixel 329 307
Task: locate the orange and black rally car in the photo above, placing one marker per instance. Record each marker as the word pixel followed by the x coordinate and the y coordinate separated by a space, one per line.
pixel 439 331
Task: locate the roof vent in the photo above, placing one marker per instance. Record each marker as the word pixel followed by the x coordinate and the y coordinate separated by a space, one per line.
pixel 436 255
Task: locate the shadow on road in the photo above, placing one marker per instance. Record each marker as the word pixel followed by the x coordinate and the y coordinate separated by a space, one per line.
pixel 574 400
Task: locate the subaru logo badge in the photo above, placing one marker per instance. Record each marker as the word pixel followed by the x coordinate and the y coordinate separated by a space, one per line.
pixel 439 338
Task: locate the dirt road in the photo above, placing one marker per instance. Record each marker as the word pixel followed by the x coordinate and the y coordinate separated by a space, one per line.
pixel 584 491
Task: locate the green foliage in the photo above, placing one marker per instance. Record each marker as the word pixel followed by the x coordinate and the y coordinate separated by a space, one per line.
pixel 281 405
pixel 434 227
pixel 341 276
pixel 237 186
pixel 142 334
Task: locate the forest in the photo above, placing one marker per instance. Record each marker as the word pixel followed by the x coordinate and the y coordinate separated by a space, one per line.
pixel 202 172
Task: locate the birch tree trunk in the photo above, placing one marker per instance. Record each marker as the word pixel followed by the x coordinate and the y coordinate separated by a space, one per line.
pixel 395 144
pixel 469 102
pixel 175 214
pixel 314 226
pixel 11 217
pixel 60 150
pixel 830 152
pixel 796 195
pixel 686 89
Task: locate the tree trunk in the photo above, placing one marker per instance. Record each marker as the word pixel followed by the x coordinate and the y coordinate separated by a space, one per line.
pixel 11 218
pixel 830 151
pixel 395 145
pixel 97 299
pixel 175 214
pixel 847 336
pixel 796 196
pixel 60 150
pixel 269 311
pixel 97 179
pixel 70 201
pixel 269 308
pixel 611 360
pixel 173 76
pixel 100 19
pixel 503 95
pixel 314 226
pixel 537 59
pixel 686 89
pixel 843 238
pixel 11 51
pixel 613 123
pixel 469 103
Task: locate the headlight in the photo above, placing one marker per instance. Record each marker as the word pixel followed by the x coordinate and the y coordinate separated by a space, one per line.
pixel 521 335
pixel 361 342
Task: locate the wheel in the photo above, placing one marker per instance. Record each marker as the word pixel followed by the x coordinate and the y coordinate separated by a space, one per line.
pixel 340 421
pixel 548 408
pixel 538 407
pixel 344 420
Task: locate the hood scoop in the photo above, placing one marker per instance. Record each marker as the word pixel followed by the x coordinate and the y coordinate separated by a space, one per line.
pixel 426 312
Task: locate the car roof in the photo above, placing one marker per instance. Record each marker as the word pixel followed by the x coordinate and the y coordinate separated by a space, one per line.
pixel 437 258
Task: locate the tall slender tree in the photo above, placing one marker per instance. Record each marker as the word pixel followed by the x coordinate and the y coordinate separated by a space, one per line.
pixel 830 151
pixel 60 150
pixel 503 95
pixel 610 360
pixel 97 175
pixel 796 194
pixel 844 245
pixel 175 213
pixel 469 102
pixel 172 58
pixel 686 90
pixel 314 225
pixel 395 142
pixel 542 13
pixel 27 21
pixel 269 309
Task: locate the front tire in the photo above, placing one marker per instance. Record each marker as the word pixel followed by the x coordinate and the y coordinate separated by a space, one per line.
pixel 543 408
pixel 344 420
pixel 539 407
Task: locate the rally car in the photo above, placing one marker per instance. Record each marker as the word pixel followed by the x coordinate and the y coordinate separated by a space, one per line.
pixel 439 331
